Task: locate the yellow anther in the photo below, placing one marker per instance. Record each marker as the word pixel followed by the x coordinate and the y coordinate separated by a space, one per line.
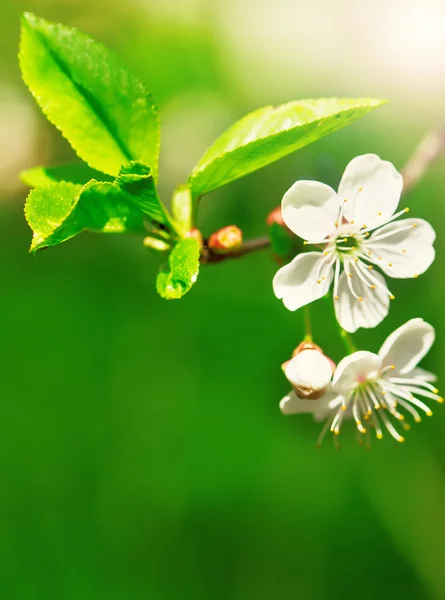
pixel 429 413
pixel 352 222
pixel 416 275
pixel 349 274
pixel 364 226
pixel 418 420
pixel 406 426
pixel 345 200
pixel 360 299
pixel 355 259
pixel 372 287
pixel 435 391
pixel 305 243
pixel 345 239
pixel 335 297
pixel 379 435
pixel 392 297
pixel 325 252
pixel 380 258
pixel 414 224
pixel 406 209
pixel 360 189
pixel 370 253
pixel 323 278
pixel 440 400
pixel 379 214
pixel 319 281
pixel 367 234
pixel 403 251
pixel 353 248
pixel 370 267
pixel 389 264
pixel 401 439
pixel 392 367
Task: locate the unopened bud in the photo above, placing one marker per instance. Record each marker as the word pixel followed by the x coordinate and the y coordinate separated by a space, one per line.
pixel 309 372
pixel 155 244
pixel 226 240
pixel 276 216
pixel 196 234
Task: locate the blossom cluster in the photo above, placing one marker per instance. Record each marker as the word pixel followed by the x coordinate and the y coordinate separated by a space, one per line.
pixel 359 238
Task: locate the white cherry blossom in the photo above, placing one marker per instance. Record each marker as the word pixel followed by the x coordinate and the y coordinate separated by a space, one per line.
pixel 355 232
pixel 377 391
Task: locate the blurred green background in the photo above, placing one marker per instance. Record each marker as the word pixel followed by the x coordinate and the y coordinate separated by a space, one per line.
pixel 142 451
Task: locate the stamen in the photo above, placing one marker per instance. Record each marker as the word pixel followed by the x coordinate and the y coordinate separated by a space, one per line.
pixel 356 414
pixel 375 281
pixel 375 422
pixel 348 279
pixel 414 381
pixel 336 278
pixel 390 427
pixel 323 432
pixel 410 408
pixel 377 237
pixel 389 220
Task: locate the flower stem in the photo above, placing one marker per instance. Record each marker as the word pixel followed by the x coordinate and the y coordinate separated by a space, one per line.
pixel 307 324
pixel 347 341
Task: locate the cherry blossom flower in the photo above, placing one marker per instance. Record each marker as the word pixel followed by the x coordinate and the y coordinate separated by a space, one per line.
pixel 355 231
pixel 379 390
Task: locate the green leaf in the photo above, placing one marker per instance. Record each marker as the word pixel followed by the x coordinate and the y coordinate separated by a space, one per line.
pixel 137 184
pixel 104 111
pixel 177 277
pixel 73 173
pixel 281 241
pixel 270 133
pixel 60 211
pixel 182 207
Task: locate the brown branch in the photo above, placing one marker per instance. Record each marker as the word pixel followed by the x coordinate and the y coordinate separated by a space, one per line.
pixel 250 246
pixel 426 153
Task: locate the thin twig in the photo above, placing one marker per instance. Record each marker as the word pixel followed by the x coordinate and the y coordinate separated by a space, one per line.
pixel 246 248
pixel 429 149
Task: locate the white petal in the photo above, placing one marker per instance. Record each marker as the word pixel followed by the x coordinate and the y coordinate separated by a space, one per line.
pixel 407 345
pixel 352 313
pixel 320 409
pixel 355 369
pixel 296 283
pixel 309 370
pixel 422 374
pixel 406 251
pixel 310 209
pixel 372 187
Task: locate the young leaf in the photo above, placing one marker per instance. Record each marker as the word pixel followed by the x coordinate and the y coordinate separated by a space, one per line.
pixel 136 182
pixel 60 211
pixel 270 133
pixel 182 207
pixel 104 111
pixel 73 173
pixel 177 277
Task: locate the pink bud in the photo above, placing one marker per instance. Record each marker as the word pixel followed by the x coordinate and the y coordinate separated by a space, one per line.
pixel 275 216
pixel 226 240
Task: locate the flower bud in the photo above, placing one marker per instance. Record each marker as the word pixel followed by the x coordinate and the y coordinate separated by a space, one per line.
pixel 155 244
pixel 309 371
pixel 226 240
pixel 196 234
pixel 276 216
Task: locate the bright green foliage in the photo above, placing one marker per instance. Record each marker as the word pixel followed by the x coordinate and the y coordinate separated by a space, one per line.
pixel 177 277
pixel 270 133
pixel 137 184
pixel 182 207
pixel 60 211
pixel 104 111
pixel 281 241
pixel 73 173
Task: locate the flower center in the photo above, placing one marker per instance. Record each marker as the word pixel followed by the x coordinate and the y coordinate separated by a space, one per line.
pixel 347 244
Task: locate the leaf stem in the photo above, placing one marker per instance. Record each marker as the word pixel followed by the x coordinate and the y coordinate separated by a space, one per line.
pixel 347 341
